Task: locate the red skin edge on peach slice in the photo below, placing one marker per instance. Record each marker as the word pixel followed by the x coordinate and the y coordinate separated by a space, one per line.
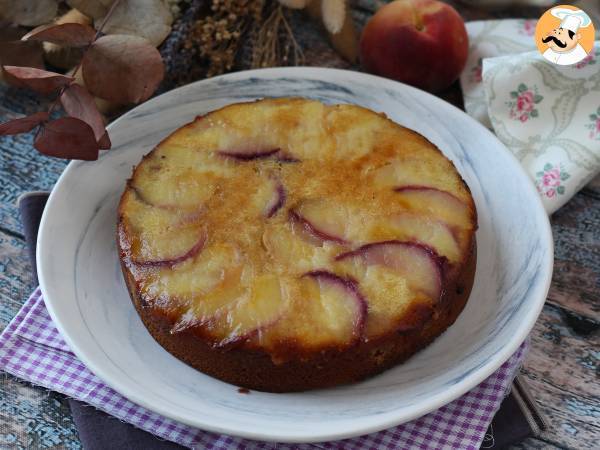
pixel 452 230
pixel 281 196
pixel 401 189
pixel 309 227
pixel 191 216
pixel 440 261
pixel 425 188
pixel 171 262
pixel 248 155
pixel 350 285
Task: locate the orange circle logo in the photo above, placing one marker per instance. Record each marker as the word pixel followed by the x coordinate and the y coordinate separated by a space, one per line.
pixel 564 35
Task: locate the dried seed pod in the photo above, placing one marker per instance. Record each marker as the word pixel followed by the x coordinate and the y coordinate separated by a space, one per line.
pixel 345 41
pixel 334 14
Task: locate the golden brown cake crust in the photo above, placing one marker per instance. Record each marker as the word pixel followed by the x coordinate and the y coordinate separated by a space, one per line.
pixel 291 369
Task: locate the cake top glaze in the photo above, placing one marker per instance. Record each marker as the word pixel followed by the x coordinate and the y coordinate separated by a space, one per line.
pixel 293 226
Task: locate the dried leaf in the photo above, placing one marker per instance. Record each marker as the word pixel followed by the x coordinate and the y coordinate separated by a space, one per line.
pixel 78 103
pixel 24 124
pixel 149 19
pixel 334 13
pixel 66 57
pixel 68 138
pixel 91 8
pixel 105 107
pixel 29 13
pixel 122 69
pixel 68 34
pixel 39 80
pixel 14 52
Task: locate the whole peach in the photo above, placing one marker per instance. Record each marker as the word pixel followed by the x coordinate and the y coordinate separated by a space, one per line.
pixel 423 43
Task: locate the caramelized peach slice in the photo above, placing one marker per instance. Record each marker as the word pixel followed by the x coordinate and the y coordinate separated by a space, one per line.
pixel 353 132
pixel 418 228
pixel 181 178
pixel 159 237
pixel 204 307
pixel 270 197
pixel 290 251
pixel 332 310
pixel 425 169
pixel 201 285
pixel 322 220
pixel 262 306
pixel 440 204
pixel 401 281
pixel 418 264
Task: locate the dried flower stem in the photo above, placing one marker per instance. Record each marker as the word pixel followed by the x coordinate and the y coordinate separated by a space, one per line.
pixel 106 17
pixel 267 50
pixel 218 36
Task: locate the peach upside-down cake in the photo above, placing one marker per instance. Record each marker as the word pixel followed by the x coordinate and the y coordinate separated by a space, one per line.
pixel 285 245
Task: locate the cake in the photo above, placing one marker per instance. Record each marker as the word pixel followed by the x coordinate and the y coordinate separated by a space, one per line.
pixel 285 245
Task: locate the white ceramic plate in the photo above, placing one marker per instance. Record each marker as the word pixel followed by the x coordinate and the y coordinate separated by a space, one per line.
pixel 87 299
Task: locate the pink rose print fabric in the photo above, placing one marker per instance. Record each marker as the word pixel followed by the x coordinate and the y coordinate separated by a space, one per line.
pixel 594 125
pixel 523 102
pixel 527 27
pixel 549 181
pixel 547 115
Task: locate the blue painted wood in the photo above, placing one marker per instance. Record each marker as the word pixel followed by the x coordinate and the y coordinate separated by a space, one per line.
pixel 15 278
pixel 22 168
pixel 33 418
pixel 30 417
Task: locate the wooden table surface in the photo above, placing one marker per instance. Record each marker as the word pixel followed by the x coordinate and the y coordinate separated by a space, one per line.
pixel 562 368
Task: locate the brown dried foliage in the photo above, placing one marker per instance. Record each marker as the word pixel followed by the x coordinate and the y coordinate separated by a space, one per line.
pixel 67 137
pixel 121 68
pixel 14 52
pixel 39 80
pixel 69 34
pixel 24 124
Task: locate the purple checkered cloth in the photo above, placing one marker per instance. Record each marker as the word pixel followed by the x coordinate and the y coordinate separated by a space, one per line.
pixel 31 348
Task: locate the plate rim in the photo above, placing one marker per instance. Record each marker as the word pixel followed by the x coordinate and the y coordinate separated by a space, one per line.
pixel 347 428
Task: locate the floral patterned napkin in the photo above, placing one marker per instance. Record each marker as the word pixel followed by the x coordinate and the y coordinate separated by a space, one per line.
pixel 547 115
pixel 489 38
